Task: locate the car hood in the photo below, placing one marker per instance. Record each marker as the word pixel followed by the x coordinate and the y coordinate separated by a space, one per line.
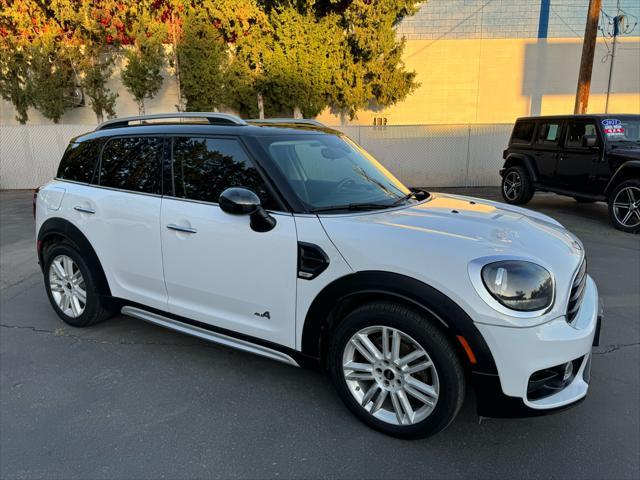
pixel 435 240
pixel 631 153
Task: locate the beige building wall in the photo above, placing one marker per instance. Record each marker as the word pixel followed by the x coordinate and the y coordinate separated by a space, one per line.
pixel 498 80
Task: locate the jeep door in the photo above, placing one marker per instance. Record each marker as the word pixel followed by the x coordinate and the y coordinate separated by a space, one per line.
pixel 545 152
pixel 578 163
pixel 218 270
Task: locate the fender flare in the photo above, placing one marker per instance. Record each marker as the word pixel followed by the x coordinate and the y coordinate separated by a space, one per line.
pixel 526 160
pixel 622 169
pixel 72 234
pixel 376 284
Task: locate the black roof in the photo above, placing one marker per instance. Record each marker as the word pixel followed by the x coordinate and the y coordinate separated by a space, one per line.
pixel 250 129
pixel 627 116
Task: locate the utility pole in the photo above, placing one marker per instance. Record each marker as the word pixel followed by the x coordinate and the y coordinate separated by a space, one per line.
pixel 586 62
pixel 618 23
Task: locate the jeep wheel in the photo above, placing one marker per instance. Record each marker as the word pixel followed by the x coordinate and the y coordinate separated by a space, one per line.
pixel 396 371
pixel 517 187
pixel 624 206
pixel 71 288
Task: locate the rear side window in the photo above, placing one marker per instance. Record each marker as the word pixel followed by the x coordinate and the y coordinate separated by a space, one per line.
pixel 549 133
pixel 132 163
pixel 577 131
pixel 79 161
pixel 523 132
pixel 204 167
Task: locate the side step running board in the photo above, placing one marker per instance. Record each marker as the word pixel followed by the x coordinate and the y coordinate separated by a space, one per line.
pixel 208 335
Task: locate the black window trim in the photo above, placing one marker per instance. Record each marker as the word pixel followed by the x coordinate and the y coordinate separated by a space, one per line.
pixel 96 175
pixel 269 184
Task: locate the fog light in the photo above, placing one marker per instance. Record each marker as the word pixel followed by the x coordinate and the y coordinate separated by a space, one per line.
pixel 568 371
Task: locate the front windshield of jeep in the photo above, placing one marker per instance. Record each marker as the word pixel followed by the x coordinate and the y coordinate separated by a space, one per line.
pixel 329 172
pixel 621 130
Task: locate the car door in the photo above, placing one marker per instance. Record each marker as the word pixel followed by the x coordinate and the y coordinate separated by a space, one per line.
pixel 545 152
pixel 218 270
pixel 122 218
pixel 578 163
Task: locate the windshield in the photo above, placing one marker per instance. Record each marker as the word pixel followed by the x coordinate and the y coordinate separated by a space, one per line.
pixel 330 172
pixel 621 130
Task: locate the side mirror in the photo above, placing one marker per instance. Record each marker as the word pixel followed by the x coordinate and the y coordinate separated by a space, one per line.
pixel 589 141
pixel 242 201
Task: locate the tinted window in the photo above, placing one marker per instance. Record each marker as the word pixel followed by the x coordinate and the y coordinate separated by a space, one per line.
pixel 523 132
pixel 204 167
pixel 549 132
pixel 132 163
pixel 79 161
pixel 576 131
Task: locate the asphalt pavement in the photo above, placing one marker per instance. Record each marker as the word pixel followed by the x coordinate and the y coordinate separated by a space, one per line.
pixel 129 400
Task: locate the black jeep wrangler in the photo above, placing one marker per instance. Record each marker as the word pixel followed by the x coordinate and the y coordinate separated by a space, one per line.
pixel 592 158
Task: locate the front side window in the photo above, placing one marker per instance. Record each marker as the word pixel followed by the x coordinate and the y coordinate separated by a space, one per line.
pixel 204 167
pixel 326 170
pixel 577 131
pixel 79 161
pixel 621 131
pixel 132 163
pixel 549 133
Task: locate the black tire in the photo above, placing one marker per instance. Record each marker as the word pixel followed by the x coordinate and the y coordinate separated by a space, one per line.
pixel 619 196
pixel 523 191
pixel 442 353
pixel 584 200
pixel 94 311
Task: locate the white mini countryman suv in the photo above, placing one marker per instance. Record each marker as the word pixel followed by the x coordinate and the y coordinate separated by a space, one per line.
pixel 287 240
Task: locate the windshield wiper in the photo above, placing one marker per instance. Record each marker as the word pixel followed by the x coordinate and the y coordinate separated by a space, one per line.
pixel 416 193
pixel 351 206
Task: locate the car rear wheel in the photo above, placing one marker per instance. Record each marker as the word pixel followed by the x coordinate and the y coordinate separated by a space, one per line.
pixel 396 371
pixel 517 187
pixel 624 206
pixel 71 288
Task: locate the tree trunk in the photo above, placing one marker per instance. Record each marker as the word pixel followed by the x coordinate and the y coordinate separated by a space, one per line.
pixel 141 107
pixel 100 117
pixel 297 113
pixel 260 107
pixel 176 63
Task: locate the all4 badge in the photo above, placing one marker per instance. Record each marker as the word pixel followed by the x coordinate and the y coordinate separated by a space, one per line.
pixel 612 127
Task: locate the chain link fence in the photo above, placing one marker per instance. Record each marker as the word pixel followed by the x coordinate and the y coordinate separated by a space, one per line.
pixel 420 155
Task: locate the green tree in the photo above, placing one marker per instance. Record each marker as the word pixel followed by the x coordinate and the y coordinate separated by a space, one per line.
pixel 146 58
pixel 202 57
pixel 97 68
pixel 14 85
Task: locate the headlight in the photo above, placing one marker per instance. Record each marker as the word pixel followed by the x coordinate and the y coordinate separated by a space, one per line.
pixel 519 285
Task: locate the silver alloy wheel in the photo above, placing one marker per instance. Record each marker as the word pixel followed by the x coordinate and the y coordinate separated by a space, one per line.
pixel 512 185
pixel 390 375
pixel 67 286
pixel 626 207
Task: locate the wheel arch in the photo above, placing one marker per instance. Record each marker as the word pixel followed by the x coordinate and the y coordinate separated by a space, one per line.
pixel 627 171
pixel 514 159
pixel 345 294
pixel 55 230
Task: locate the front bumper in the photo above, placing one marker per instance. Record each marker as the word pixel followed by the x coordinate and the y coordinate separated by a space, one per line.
pixel 520 352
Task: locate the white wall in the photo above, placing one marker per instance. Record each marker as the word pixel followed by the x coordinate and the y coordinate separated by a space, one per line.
pixel 420 155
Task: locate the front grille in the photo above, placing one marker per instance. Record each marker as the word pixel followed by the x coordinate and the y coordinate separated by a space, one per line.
pixel 577 292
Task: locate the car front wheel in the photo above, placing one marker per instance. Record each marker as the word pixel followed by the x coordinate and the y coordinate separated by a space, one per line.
pixel 396 371
pixel 517 187
pixel 624 206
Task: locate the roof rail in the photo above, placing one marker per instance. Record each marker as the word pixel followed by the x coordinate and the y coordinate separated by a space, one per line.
pixel 212 117
pixel 302 121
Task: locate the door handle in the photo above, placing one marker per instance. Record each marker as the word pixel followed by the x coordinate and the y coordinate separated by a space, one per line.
pixel 180 228
pixel 82 209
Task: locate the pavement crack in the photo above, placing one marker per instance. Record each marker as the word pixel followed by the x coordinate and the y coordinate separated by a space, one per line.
pixel 615 347
pixel 61 332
